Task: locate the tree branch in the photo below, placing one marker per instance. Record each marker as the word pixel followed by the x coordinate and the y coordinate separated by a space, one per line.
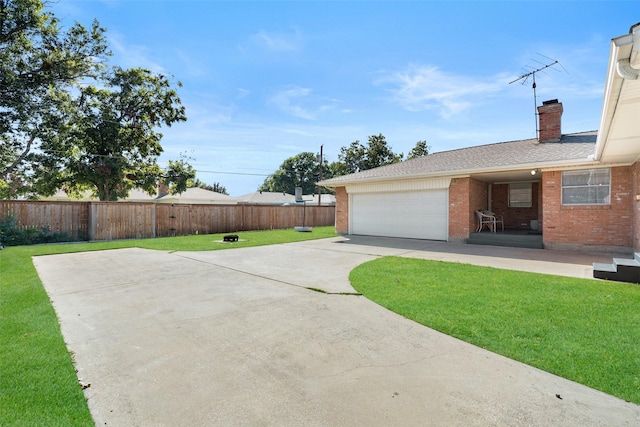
pixel 20 158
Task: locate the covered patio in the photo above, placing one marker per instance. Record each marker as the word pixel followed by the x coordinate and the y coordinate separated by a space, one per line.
pixel 515 199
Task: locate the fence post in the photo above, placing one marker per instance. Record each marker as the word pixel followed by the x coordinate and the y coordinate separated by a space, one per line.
pixel 91 229
pixel 153 220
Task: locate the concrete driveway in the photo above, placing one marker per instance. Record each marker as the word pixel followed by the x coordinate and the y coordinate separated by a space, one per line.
pixel 240 337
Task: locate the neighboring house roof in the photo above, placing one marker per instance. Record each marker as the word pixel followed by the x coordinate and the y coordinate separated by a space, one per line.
pixel 325 199
pixel 266 197
pixel 60 195
pixel 572 150
pixel 196 195
pixel 135 195
pixel 272 198
pixel 138 195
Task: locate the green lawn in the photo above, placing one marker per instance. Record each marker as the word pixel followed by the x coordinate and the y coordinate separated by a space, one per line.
pixel 38 384
pixel 584 330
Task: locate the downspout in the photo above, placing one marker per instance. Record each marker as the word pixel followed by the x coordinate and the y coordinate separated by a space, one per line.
pixel 623 66
pixel 626 71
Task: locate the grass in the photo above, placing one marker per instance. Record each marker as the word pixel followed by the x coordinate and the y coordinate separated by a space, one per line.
pixel 38 383
pixel 584 330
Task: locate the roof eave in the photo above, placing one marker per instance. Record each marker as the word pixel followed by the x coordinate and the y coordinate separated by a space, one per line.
pixel 621 48
pixel 558 164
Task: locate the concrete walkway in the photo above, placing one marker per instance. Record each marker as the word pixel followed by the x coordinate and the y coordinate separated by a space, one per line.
pixel 238 338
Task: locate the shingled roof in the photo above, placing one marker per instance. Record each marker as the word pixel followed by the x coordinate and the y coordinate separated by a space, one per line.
pixel 572 149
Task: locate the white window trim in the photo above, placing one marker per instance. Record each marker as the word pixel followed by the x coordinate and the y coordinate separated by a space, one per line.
pixel 562 186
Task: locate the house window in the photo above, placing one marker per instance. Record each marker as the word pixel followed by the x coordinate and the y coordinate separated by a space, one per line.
pixel 520 195
pixel 586 187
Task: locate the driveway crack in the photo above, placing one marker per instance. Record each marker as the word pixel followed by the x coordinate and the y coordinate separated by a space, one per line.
pixel 261 276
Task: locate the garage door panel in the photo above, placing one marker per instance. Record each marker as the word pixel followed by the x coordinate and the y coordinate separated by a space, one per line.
pixel 414 214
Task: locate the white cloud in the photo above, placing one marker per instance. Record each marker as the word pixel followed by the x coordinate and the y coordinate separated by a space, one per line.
pixel 242 93
pixel 278 41
pixel 423 87
pixel 130 56
pixel 190 66
pixel 290 102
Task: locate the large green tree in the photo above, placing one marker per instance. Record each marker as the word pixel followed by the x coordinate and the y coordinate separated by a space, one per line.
pixel 357 157
pixel 111 140
pixel 301 170
pixel 421 149
pixel 37 59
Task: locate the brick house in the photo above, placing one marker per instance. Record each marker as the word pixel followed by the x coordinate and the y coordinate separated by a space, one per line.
pixel 581 190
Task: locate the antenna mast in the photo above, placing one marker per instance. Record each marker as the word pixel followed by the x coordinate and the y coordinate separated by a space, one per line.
pixel 532 74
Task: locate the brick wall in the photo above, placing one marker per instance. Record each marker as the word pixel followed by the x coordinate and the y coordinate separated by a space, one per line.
pixel 342 211
pixel 478 200
pixel 590 227
pixel 466 195
pixel 458 211
pixel 515 218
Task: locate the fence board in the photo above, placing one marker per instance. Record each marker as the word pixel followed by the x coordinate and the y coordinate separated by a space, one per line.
pixel 57 217
pixel 113 220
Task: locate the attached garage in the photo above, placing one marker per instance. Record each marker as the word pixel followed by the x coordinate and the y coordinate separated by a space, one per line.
pixel 401 212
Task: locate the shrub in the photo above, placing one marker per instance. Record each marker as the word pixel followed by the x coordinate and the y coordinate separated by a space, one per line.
pixel 11 234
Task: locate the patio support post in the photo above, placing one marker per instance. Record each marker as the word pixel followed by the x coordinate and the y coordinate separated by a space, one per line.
pixel 489 197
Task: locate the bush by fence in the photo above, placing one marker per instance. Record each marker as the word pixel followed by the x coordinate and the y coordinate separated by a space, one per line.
pixel 12 234
pixel 128 220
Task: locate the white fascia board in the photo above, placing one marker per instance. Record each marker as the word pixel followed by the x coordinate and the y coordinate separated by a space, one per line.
pixel 620 49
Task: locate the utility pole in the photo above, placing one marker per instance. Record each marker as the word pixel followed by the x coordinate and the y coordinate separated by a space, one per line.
pixel 320 159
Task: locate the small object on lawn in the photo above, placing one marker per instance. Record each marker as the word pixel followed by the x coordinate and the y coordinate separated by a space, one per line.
pixel 230 238
pixel 303 228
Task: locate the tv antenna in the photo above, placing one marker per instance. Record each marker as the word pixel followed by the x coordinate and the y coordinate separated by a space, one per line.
pixel 532 74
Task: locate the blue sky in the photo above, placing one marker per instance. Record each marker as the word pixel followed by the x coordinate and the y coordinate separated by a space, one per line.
pixel 266 80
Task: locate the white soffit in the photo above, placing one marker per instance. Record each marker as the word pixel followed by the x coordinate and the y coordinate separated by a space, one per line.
pixel 396 186
pixel 619 136
pixel 623 141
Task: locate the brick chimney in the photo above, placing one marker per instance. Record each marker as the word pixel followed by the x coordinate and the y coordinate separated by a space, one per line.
pixel 550 114
pixel 163 190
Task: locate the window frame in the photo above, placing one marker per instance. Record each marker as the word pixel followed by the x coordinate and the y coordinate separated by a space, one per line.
pixel 523 203
pixel 589 187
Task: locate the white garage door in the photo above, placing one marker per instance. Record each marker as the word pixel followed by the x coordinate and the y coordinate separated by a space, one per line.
pixel 411 214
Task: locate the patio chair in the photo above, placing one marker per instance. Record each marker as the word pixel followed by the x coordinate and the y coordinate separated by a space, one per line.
pixel 497 219
pixel 485 220
pixel 489 219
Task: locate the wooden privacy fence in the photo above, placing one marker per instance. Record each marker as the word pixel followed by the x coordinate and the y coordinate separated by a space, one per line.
pixel 129 220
